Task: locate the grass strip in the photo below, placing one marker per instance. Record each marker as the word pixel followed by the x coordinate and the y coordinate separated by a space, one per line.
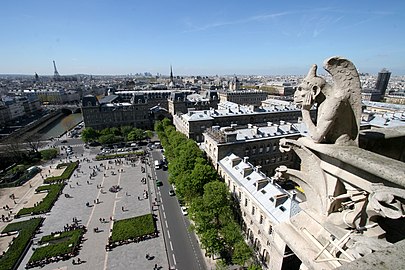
pixel 70 167
pixel 46 204
pixel 26 231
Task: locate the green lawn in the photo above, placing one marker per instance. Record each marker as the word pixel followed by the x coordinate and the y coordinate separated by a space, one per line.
pixel 70 167
pixel 46 204
pixel 132 228
pixel 63 244
pixel 26 231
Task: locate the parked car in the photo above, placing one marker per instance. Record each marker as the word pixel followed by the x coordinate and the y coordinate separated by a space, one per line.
pixel 184 210
pixel 159 183
pixel 171 192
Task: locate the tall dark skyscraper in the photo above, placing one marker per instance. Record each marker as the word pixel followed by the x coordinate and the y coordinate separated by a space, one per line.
pixel 382 81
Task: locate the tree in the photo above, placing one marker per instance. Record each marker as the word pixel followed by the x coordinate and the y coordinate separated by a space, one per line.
pixel 221 265
pixel 33 143
pixel 166 122
pixel 242 253
pixel 201 175
pixel 116 131
pixel 231 234
pixel 89 134
pixel 16 151
pixel 109 138
pixel 125 130
pixel 254 267
pixel 159 128
pixel 211 242
pixel 136 135
pixel 105 131
pixel 216 197
pixel 149 134
pixel 183 160
pixel 48 154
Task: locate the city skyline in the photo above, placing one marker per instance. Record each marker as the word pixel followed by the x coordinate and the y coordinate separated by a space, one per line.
pixel 209 38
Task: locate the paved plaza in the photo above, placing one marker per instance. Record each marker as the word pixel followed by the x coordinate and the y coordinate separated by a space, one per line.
pixel 103 204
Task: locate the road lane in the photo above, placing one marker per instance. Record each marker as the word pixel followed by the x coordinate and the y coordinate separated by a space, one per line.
pixel 183 249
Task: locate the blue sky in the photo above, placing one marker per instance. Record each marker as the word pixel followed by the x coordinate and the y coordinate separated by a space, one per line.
pixel 199 37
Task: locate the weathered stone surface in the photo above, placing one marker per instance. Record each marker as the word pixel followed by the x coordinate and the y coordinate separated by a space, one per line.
pixel 390 258
pixel 339 105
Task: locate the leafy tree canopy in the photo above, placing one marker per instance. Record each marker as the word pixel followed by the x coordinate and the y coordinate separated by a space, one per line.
pixel 136 135
pixel 109 138
pixel 242 253
pixel 89 134
pixel 125 130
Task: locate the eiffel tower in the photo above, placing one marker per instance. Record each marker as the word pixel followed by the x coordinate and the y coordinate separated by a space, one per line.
pixel 55 73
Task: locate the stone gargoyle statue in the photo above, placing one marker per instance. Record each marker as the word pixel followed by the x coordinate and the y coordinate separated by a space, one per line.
pixel 338 105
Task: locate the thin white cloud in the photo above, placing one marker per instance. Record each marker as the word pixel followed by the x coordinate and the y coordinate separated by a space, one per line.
pixel 194 28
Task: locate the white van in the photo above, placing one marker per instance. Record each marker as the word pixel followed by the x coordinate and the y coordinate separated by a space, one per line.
pixel 157 164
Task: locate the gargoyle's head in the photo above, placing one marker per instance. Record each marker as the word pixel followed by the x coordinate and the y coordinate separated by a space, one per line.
pixel 309 88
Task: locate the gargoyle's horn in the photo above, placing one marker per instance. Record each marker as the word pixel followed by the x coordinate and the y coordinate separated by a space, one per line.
pixel 312 71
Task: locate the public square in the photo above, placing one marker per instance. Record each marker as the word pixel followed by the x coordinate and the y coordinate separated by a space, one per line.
pixel 89 200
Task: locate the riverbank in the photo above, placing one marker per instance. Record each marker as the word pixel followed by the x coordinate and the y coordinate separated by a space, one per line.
pixel 32 130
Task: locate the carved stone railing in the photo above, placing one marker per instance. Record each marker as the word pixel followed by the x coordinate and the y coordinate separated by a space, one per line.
pixel 350 194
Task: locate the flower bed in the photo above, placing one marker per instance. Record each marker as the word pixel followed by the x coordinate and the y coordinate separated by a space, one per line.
pixel 46 204
pixel 133 229
pixel 26 231
pixel 61 246
pixel 112 156
pixel 70 167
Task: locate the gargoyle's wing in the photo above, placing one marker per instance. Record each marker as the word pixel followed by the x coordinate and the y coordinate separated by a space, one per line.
pixel 346 82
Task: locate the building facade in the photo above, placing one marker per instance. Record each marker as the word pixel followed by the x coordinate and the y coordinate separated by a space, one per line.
pixel 182 102
pixel 243 97
pixel 194 123
pixel 263 205
pixel 382 81
pixel 258 143
pixel 136 108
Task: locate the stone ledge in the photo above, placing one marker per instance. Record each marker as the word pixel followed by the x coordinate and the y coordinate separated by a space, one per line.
pixel 379 167
pixel 390 258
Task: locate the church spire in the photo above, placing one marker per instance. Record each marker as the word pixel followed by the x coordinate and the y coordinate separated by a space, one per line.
pixel 171 73
pixel 171 81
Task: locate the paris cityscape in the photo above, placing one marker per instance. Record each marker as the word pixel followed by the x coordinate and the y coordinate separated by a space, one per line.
pixel 245 136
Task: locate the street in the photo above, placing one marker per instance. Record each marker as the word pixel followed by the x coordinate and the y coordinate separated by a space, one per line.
pixel 182 247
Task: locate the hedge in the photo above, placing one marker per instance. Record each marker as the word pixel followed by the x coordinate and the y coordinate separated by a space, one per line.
pixel 56 246
pixel 46 204
pixel 132 228
pixel 70 167
pixel 26 231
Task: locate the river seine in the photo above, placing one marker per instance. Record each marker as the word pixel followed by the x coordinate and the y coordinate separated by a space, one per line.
pixel 61 126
